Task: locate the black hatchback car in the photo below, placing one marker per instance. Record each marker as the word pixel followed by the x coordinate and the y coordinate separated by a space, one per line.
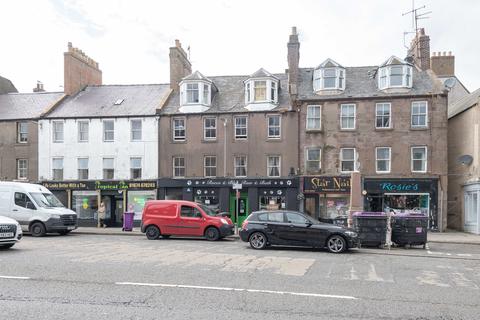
pixel 282 227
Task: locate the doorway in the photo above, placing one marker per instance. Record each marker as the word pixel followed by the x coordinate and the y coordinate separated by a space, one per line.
pixel 114 208
pixel 243 207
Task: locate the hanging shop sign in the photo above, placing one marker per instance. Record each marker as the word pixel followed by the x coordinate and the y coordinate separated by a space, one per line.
pixel 326 184
pixel 100 185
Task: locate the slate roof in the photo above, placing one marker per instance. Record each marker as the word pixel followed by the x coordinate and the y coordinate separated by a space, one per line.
pixel 6 86
pixel 360 83
pixel 230 97
pixel 99 101
pixel 464 103
pixel 16 106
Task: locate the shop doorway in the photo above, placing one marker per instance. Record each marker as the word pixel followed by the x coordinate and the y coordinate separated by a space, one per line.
pixel 113 209
pixel 244 209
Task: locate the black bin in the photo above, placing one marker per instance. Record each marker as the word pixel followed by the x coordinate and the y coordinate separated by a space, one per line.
pixel 371 228
pixel 410 229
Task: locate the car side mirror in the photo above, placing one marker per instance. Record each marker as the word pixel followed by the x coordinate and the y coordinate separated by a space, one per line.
pixel 308 224
pixel 31 206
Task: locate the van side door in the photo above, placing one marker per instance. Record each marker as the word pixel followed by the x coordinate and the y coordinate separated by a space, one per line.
pixel 23 209
pixel 191 221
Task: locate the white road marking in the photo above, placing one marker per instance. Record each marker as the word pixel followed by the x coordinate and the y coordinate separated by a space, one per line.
pixel 431 278
pixel 13 277
pixel 464 254
pixel 166 285
pixel 372 274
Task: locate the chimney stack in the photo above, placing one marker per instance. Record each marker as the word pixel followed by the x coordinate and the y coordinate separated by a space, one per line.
pixel 180 66
pixel 79 70
pixel 420 49
pixel 39 87
pixel 293 59
pixel 443 64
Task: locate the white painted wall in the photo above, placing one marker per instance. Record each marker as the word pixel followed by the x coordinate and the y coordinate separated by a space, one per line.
pixel 96 149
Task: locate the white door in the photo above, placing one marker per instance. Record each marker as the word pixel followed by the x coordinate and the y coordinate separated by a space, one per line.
pixel 471 212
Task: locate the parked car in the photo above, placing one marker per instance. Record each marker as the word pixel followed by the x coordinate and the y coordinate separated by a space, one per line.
pixel 281 227
pixel 183 218
pixel 36 209
pixel 10 232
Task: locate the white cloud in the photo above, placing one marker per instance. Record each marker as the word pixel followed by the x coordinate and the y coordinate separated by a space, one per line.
pixel 130 39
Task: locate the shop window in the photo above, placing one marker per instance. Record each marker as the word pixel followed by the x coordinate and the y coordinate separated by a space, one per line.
pixel 57 168
pixel 22 132
pixel 272 202
pixel 85 204
pixel 208 199
pixel 137 199
pixel 418 203
pixel 333 207
pixel 174 194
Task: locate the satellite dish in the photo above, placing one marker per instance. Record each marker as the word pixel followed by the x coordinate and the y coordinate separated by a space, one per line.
pixel 450 82
pixel 465 160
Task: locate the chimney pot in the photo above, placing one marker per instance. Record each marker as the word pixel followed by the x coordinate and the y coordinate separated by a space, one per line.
pixel 449 53
pixel 177 43
pixel 294 30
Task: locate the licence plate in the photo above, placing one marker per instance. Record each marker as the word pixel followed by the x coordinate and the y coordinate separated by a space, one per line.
pixel 6 235
pixel 70 228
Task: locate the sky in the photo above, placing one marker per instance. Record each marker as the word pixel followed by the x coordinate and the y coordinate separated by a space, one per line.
pixel 130 39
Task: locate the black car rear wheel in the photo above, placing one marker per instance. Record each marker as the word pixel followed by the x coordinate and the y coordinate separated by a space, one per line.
pixel 258 240
pixel 152 232
pixel 336 244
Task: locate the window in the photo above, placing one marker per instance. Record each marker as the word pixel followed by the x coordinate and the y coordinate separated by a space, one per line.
pixel 347 159
pixel 210 166
pixel 206 91
pixel 241 129
pixel 22 169
pixel 21 200
pixel 382 115
pixel 382 157
pixel 383 78
pixel 274 126
pixel 82 131
pixel 329 76
pixel 260 90
pixel 178 129
pixel 312 159
pixel 314 118
pixel 108 168
pixel 247 92
pixel 273 166
pixel 395 76
pixel 273 91
pixel 178 167
pixel 240 164
pixel 82 168
pixel 192 93
pixel 419 114
pixel 57 168
pixel 57 131
pixel 347 116
pixel 210 128
pixel 295 218
pixel 108 130
pixel 190 212
pixel 22 132
pixel 276 216
pixel 136 130
pixel 135 168
pixel 419 159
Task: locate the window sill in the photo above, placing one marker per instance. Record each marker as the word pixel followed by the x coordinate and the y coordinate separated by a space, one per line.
pixel 209 140
pixel 313 131
pixel 241 139
pixel 347 130
pixel 383 172
pixel 383 129
pixel 18 144
pixel 419 128
pixel 179 141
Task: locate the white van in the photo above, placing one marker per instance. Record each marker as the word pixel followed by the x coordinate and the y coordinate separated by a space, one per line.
pixel 36 209
pixel 10 232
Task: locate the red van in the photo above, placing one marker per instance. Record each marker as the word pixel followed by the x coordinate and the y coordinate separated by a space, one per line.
pixel 183 218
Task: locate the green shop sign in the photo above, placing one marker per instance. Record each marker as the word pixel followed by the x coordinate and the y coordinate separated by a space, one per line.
pixel 100 185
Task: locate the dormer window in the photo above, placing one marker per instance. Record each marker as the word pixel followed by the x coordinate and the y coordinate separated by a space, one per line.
pixel 329 76
pixel 195 93
pixel 261 89
pixel 394 73
pixel 192 93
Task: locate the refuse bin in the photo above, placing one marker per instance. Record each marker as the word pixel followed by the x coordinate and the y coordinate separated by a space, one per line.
pixel 410 229
pixel 371 228
pixel 128 221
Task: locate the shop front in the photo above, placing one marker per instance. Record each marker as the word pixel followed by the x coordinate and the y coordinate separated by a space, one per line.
pixel 402 196
pixel 471 209
pixel 84 198
pixel 220 195
pixel 327 198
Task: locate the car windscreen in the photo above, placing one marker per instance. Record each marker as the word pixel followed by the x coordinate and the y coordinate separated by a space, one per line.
pixel 208 210
pixel 46 200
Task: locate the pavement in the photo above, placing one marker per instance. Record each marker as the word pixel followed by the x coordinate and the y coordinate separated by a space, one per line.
pixel 450 236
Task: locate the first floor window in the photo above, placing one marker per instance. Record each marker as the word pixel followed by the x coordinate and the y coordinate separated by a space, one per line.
pixel 22 132
pixel 419 159
pixel 178 167
pixel 419 114
pixel 347 159
pixel 210 128
pixel 83 131
pixel 136 130
pixel 313 163
pixel 274 126
pixel 82 168
pixel 210 166
pixel 108 130
pixel 382 115
pixel 57 168
pixel 57 131
pixel 313 118
pixel 22 168
pixel 383 159
pixel 108 168
pixel 273 166
pixel 240 166
pixel 136 168
pixel 178 129
pixel 347 116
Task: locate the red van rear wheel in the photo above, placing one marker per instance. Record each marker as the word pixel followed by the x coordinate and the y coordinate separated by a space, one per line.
pixel 152 232
pixel 212 234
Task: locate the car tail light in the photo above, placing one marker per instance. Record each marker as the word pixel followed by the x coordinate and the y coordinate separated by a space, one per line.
pixel 244 224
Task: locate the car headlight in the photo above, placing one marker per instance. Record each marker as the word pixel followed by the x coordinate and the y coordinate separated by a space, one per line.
pixel 55 216
pixel 224 221
pixel 351 234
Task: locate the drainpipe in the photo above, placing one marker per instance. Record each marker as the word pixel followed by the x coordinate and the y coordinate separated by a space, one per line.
pixel 225 120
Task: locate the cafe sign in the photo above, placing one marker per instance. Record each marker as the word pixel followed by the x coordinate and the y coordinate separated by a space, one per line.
pixel 100 185
pixel 326 184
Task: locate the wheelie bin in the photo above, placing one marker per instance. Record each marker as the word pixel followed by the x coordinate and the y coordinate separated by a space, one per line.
pixel 128 221
pixel 410 229
pixel 371 228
